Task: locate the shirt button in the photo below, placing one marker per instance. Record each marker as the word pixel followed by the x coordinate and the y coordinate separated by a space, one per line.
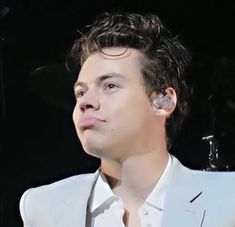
pixel 145 212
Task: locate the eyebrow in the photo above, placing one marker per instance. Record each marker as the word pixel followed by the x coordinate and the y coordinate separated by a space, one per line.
pixel 100 79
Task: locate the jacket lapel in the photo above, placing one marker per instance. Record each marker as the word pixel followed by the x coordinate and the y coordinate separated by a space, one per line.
pixel 184 199
pixel 76 203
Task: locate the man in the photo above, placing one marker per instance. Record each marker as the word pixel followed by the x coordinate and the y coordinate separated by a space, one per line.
pixel 131 100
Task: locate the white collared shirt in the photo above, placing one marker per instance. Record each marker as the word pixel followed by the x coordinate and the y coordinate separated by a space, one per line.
pixel 106 209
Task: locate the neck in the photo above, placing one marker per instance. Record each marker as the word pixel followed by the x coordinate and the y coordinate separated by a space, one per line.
pixel 134 178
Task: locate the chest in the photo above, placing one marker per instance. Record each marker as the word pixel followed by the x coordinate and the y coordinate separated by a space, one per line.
pixel 116 216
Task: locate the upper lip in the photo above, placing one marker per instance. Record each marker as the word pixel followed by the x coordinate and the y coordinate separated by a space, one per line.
pixel 88 121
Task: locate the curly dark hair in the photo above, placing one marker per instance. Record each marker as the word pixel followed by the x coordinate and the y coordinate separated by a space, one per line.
pixel 165 59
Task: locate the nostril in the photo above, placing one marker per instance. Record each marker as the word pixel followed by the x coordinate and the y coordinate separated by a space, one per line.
pixel 89 106
pixel 85 104
pixel 84 107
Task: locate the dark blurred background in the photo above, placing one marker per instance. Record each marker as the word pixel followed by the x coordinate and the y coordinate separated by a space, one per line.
pixel 38 140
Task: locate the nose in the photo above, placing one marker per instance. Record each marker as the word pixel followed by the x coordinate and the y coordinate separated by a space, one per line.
pixel 88 101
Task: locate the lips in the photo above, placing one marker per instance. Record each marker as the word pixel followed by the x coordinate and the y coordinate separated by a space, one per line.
pixel 89 122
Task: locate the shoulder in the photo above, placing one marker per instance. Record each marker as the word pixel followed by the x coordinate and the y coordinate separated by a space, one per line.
pixel 216 180
pixel 207 179
pixel 66 185
pixel 48 199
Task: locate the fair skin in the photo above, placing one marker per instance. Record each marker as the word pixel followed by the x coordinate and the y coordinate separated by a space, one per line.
pixel 116 121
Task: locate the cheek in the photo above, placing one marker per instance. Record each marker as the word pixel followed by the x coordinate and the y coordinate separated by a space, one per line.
pixel 131 116
pixel 75 116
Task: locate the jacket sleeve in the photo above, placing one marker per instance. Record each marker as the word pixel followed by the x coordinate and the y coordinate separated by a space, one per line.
pixel 24 207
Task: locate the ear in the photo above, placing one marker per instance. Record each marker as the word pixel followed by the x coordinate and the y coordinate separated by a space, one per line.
pixel 164 104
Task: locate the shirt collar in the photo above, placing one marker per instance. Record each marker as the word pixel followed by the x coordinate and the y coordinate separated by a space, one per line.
pixel 157 196
pixel 102 192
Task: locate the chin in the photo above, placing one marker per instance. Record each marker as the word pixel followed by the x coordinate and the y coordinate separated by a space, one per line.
pixel 93 150
pixel 92 143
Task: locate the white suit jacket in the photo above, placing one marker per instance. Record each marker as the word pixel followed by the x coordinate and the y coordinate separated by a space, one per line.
pixel 193 199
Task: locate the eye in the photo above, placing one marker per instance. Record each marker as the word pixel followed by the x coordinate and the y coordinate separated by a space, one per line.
pixel 109 86
pixel 79 93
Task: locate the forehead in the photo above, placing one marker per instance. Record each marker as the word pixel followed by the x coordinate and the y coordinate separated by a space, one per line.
pixel 122 61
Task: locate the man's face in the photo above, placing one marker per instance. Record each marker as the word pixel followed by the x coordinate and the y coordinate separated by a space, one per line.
pixel 113 113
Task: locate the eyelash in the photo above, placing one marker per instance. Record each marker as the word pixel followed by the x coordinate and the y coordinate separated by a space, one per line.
pixel 107 86
pixel 80 93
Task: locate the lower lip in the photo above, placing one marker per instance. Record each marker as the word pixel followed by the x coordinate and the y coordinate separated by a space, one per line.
pixel 86 123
